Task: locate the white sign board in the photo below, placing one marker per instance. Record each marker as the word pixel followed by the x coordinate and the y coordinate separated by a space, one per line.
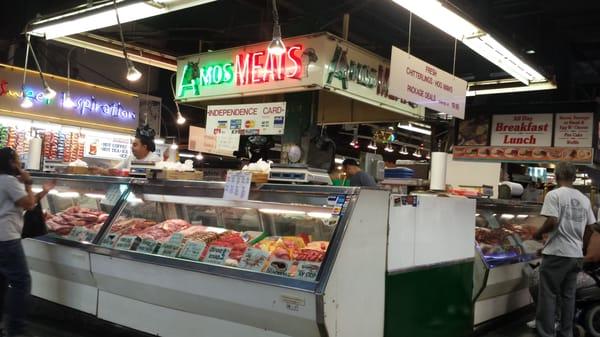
pixel 237 185
pixel 419 82
pixel 106 146
pixel 246 119
pixel 533 130
pixel 221 144
pixel 574 130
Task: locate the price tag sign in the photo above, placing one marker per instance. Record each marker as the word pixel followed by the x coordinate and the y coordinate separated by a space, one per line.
pixel 147 246
pixel 176 239
pixel 237 185
pixel 192 250
pixel 168 249
pixel 308 271
pixel 112 195
pixel 217 255
pixel 78 233
pixel 125 242
pixel 109 240
pixel 90 235
pixel 278 267
pixel 254 259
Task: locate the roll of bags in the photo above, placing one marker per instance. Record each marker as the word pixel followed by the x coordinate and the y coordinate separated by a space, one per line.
pixel 437 177
pixel 35 154
pixel 516 189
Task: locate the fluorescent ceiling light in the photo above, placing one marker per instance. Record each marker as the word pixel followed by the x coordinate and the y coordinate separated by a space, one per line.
pixel 84 18
pixel 472 36
pixel 413 128
pixel 531 87
pixel 339 160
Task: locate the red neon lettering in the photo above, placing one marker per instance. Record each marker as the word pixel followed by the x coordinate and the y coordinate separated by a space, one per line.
pixel 242 69
pixel 257 67
pixel 296 60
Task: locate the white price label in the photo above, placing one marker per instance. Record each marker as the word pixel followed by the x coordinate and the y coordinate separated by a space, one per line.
pixel 237 185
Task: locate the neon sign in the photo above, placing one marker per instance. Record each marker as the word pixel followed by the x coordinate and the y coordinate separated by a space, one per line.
pixel 84 106
pixel 246 69
pixel 114 110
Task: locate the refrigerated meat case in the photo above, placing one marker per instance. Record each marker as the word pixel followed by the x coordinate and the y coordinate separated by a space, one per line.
pixel 504 232
pixel 176 259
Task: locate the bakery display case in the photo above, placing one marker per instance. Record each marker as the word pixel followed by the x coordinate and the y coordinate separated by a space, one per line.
pixel 173 258
pixel 504 244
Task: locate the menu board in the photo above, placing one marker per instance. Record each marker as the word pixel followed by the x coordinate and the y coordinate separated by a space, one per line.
pixel 524 130
pixel 574 130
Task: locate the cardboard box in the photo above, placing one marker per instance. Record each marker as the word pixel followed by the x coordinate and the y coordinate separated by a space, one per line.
pixel 77 170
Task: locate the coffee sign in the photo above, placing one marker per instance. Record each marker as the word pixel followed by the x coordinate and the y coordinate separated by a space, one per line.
pixel 522 130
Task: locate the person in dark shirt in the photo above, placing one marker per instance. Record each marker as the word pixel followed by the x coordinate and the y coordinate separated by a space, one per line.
pixel 357 176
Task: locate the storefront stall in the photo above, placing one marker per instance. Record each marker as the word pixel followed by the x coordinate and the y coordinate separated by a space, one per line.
pixel 83 121
pixel 505 227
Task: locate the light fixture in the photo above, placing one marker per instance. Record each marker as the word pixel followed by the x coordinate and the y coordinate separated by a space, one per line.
pixel 391 127
pixel 434 12
pixel 354 142
pixel 530 51
pixel 339 160
pixel 132 73
pixel 417 153
pixel 26 103
pixel 413 128
pixel 428 156
pixel 67 101
pixel 174 146
pixel 180 119
pixel 320 215
pixel 389 148
pixel 48 92
pixel 403 151
pixel 199 156
pixel 99 14
pixel 372 146
pixel 509 90
pixel 281 211
pixel 276 46
pixel 159 141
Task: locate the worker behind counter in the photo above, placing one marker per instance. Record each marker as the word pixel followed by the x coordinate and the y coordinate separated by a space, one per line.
pixel 142 149
pixel 357 176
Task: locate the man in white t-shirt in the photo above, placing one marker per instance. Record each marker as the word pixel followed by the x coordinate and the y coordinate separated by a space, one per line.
pixel 567 212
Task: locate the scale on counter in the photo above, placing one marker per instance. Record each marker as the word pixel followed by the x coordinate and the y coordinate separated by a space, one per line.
pixel 139 168
pixel 298 173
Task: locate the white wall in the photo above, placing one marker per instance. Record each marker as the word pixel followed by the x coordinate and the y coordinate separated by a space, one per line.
pixel 473 173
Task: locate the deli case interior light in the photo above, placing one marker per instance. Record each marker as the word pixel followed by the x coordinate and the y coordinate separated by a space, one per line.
pixel 68 195
pixel 507 216
pixel 319 215
pixel 280 211
pixel 95 196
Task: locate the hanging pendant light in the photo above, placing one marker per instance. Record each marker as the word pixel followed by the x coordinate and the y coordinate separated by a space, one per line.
pixel 180 119
pixel 132 73
pixel 417 153
pixel 276 46
pixel 403 151
pixel 48 92
pixel 372 146
pixel 389 148
pixel 26 102
pixel 428 156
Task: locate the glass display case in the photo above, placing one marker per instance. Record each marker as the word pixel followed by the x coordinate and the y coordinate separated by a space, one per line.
pixel 277 264
pixel 77 209
pixel 504 231
pixel 287 240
